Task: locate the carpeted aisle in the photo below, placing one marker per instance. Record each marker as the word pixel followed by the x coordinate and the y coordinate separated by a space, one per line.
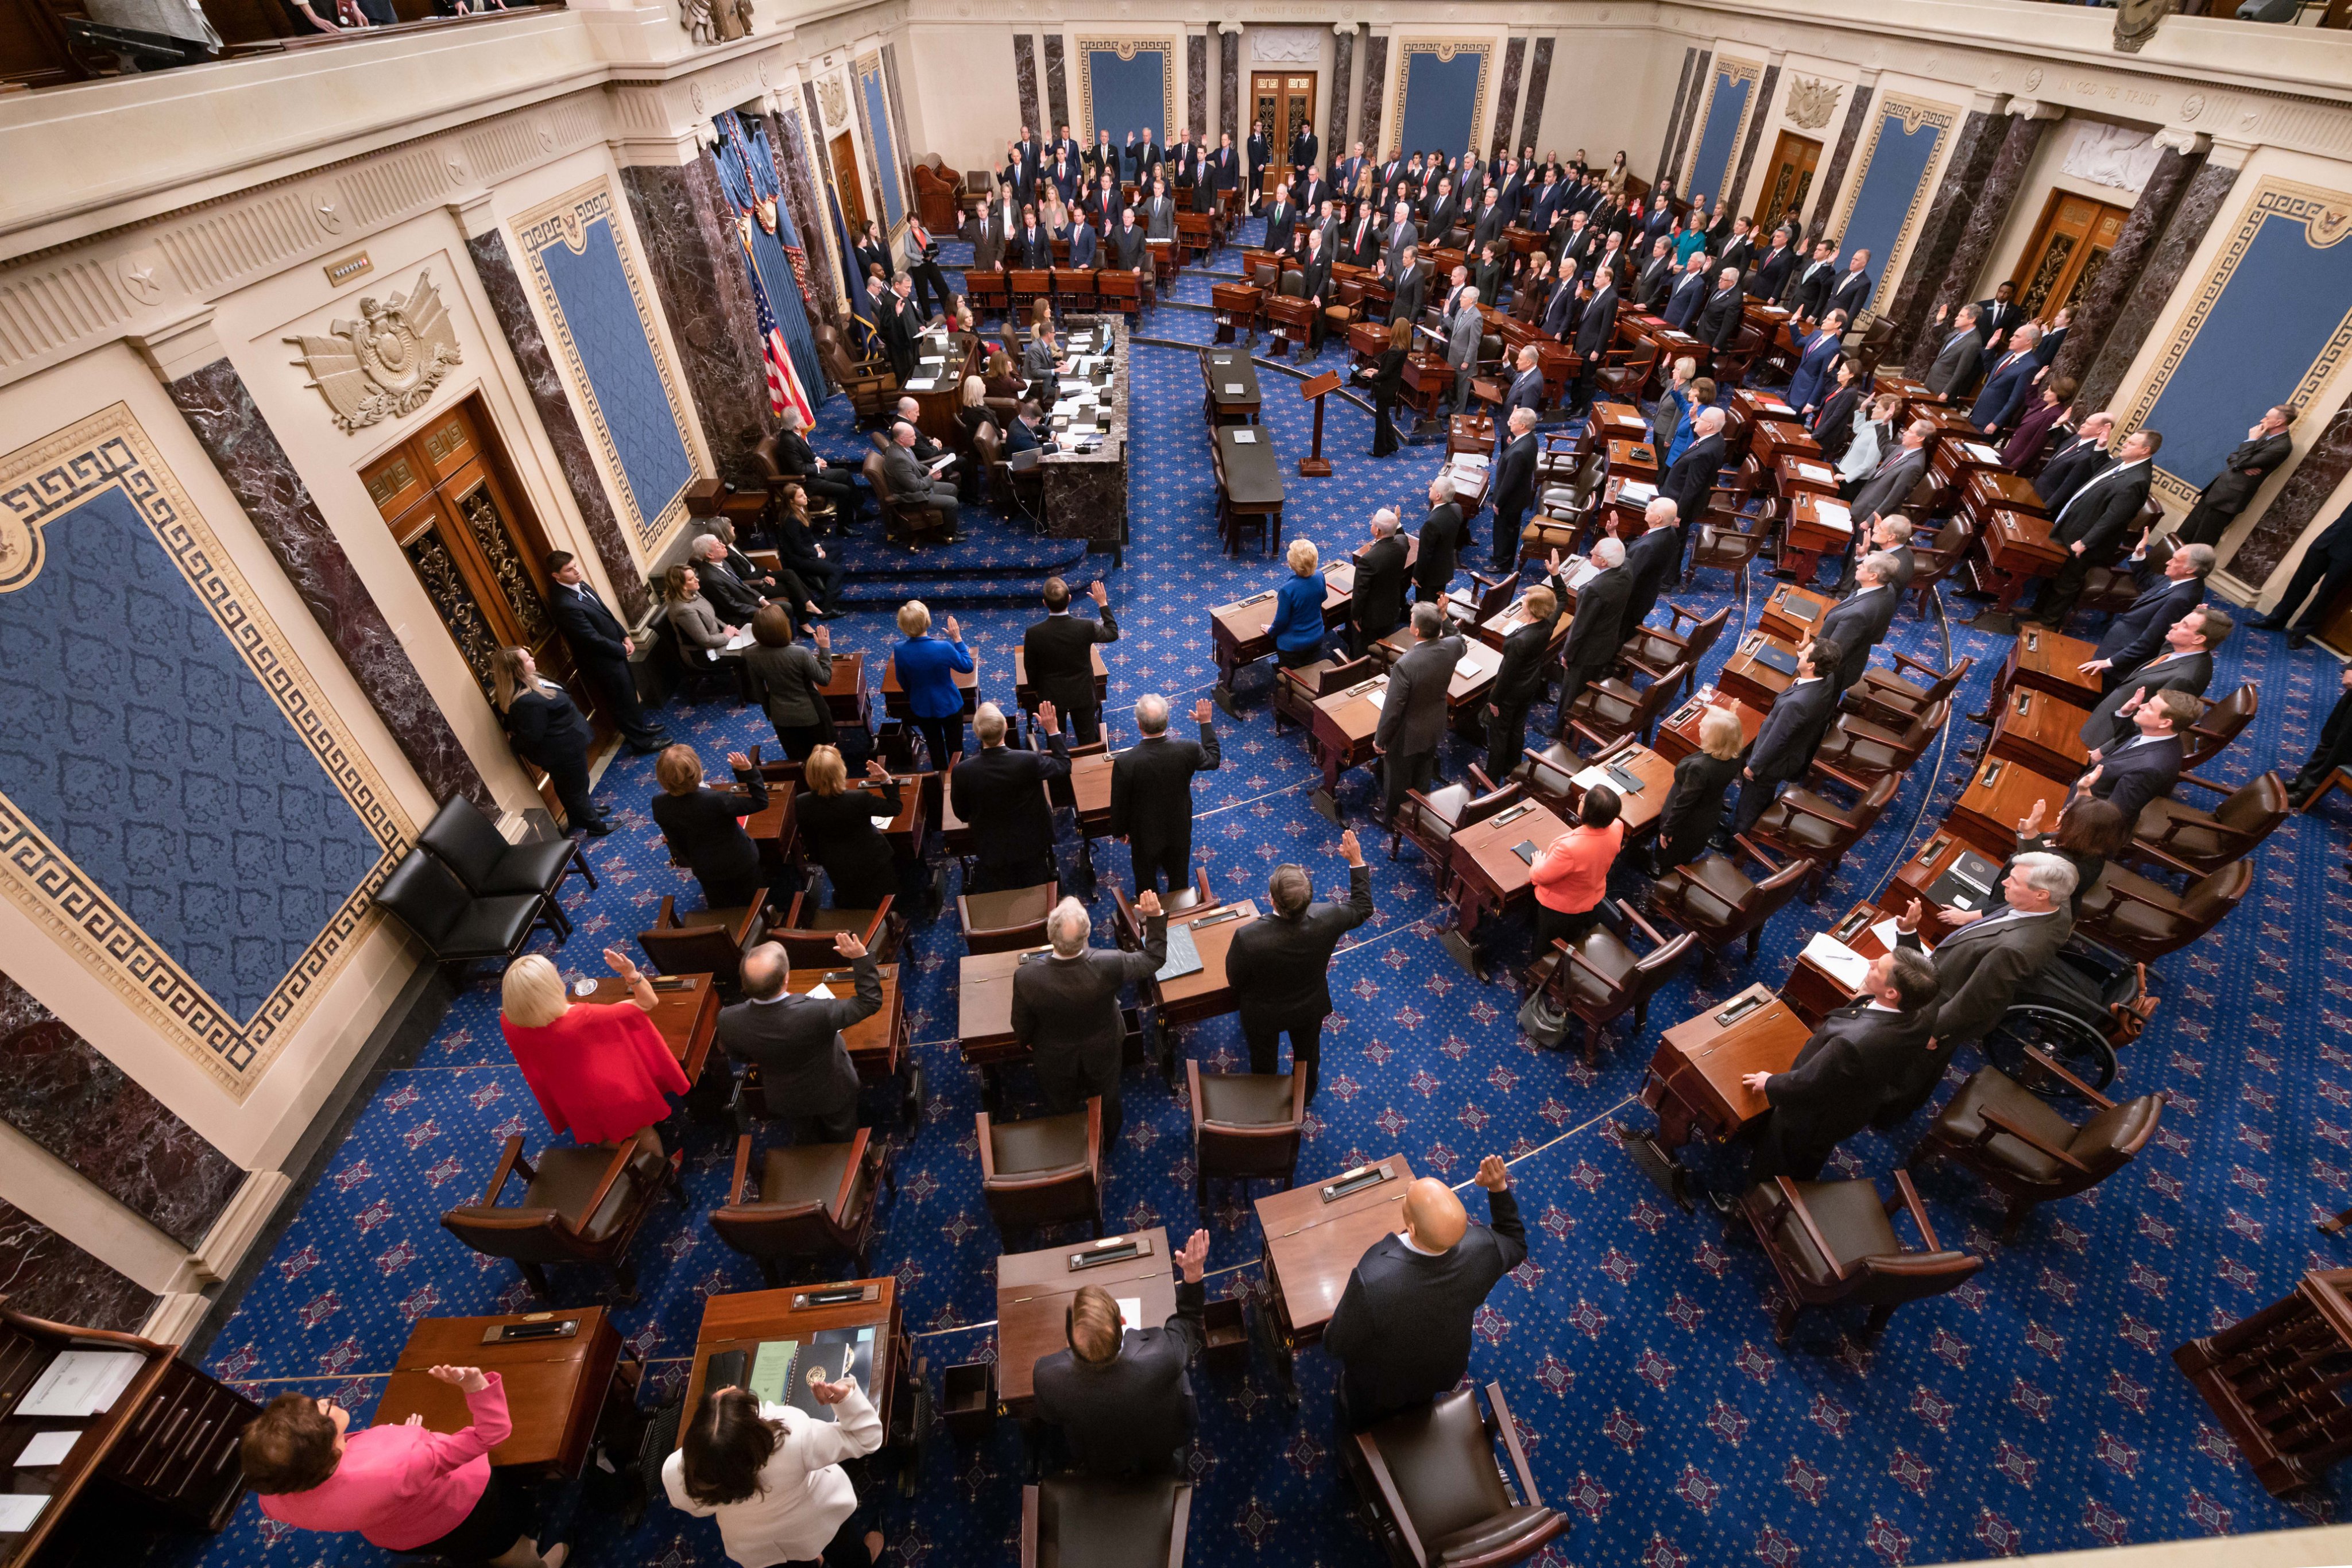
pixel 2036 1410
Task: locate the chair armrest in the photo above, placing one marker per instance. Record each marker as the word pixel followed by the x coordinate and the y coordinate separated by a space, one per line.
pixel 1595 736
pixel 1812 1231
pixel 2141 899
pixel 1192 1091
pixel 1850 782
pixel 1508 1430
pixel 1767 861
pixel 742 1169
pixel 1581 962
pixel 748 928
pixel 611 1178
pixel 1622 742
pixel 1903 658
pixel 987 1148
pixel 1642 926
pixel 1910 1196
pixel 1997 1122
pixel 839 1206
pixel 2207 784
pixel 510 1161
pixel 1478 776
pixel 1094 1143
pixel 2049 1064
pixel 1788 797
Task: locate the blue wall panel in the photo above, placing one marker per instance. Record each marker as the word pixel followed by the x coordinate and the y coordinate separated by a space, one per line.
pixel 1898 165
pixel 592 291
pixel 1441 101
pixel 2283 306
pixel 137 737
pixel 894 201
pixel 1129 94
pixel 1724 111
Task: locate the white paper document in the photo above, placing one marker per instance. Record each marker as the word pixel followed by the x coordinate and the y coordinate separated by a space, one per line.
pixel 1815 472
pixel 1637 494
pixel 1981 452
pixel 1584 574
pixel 1376 695
pixel 819 992
pixel 923 383
pixel 1887 931
pixel 1244 438
pixel 1845 965
pixel 81 1382
pixel 1470 664
pixel 741 639
pixel 19 1510
pixel 1834 516
pixel 1130 1312
pixel 46 1449
pixel 1592 775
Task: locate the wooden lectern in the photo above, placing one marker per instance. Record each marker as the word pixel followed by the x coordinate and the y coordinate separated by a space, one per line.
pixel 2275 1381
pixel 1315 465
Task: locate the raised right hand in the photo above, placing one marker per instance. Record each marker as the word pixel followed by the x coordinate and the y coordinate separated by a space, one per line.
pixel 1148 905
pixel 1910 921
pixel 955 630
pixel 1350 848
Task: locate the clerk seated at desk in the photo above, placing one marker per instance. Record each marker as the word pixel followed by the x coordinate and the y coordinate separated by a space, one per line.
pixel 1845 1073
pixel 1120 1396
pixel 1402 1330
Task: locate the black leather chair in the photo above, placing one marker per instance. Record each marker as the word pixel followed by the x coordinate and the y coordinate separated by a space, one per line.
pixel 1246 1124
pixel 579 1206
pixel 1045 1171
pixel 457 928
pixel 489 866
pixel 1428 1487
pixel 813 1200
pixel 1086 1522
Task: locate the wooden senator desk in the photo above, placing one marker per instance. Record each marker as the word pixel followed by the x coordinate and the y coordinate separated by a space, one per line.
pixel 1958 459
pixel 686 1014
pixel 984 1017
pixel 166 1448
pixel 1819 525
pixel 1640 809
pixel 1745 675
pixel 1497 628
pixel 1633 460
pixel 897 705
pixel 1025 695
pixel 936 404
pixel 1763 408
pixel 1472 682
pixel 1677 733
pixel 1339 737
pixel 1314 1239
pixel 1811 988
pixel 1793 614
pixel 740 1320
pixel 2011 549
pixel 845 694
pixel 1033 1290
pixel 1615 422
pixel 1242 633
pixel 558 1389
pixel 1775 441
pixel 1235 304
pixel 1229 381
pixel 2044 733
pixel 1693 1082
pixel 1486 878
pixel 1089 792
pixel 1916 877
pixel 2041 660
pixel 1249 482
pixel 1205 993
pixel 776 830
pixel 1795 474
pixel 1997 799
pixel 1987 490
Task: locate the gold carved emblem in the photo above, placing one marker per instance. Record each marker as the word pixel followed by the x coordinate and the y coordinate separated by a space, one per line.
pixel 835 99
pixel 2327 226
pixel 1126 50
pixel 20 542
pixel 386 363
pixel 1445 54
pixel 1912 117
pixel 1810 103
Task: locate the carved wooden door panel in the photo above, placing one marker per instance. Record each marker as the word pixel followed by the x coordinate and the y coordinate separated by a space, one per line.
pixel 844 153
pixel 2068 246
pixel 1284 102
pixel 1789 182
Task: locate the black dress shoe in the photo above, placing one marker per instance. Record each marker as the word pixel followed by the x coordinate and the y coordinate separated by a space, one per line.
pixel 597 829
pixel 1982 716
pixel 2296 642
pixel 2270 624
pixel 1723 1203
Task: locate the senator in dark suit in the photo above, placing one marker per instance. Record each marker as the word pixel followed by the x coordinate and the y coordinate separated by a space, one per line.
pixel 1958 361
pixel 2077 458
pixel 1719 318
pixel 1792 731
pixel 1001 793
pixel 700 825
pixel 548 730
pixel 1440 543
pixel 1514 485
pixel 2145 767
pixel 1693 808
pixel 1889 485
pixel 2334 749
pixel 2135 634
pixel 2183 662
pixel 1844 1075
pixel 1652 560
pixel 1594 332
pixel 2092 522
pixel 1980 966
pixel 2326 565
pixel 2007 384
pixel 1596 630
pixel 1379 598
pixel 1151 793
pixel 1858 622
pixel 1058 653
pixel 1525 669
pixel 1401 1329
pixel 805 1073
pixel 2251 462
pixel 1065 1008
pixel 601 647
pixel 1413 711
pixel 1121 1397
pixel 1279 965
pixel 1689 484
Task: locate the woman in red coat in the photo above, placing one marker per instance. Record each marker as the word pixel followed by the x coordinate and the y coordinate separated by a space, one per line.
pixel 600 1070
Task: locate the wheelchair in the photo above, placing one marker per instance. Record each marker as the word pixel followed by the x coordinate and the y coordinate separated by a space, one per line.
pixel 2084 1003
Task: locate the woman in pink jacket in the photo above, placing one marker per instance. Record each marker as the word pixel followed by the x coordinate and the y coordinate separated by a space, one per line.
pixel 403 1488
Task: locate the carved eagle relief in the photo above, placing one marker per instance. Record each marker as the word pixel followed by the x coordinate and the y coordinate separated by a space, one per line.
pixel 386 363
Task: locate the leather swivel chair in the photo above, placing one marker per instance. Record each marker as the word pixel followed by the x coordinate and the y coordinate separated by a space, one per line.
pixel 2223 722
pixel 1246 1124
pixel 1126 925
pixel 2025 1149
pixel 1429 821
pixel 1652 650
pixel 579 1206
pixel 1609 714
pixel 1432 1491
pixel 702 941
pixel 1485 597
pixel 2144 919
pixel 457 928
pixel 1296 690
pixel 1601 978
pixel 1931 563
pixel 1045 1171
pixel 806 932
pixel 1833 1243
pixel 492 868
pixel 2179 837
pixel 1003 922
pixel 1883 696
pixel 912 517
pixel 1857 748
pixel 1717 902
pixel 1088 1522
pixel 813 1200
pixel 1803 822
pixel 1723 545
pixel 872 385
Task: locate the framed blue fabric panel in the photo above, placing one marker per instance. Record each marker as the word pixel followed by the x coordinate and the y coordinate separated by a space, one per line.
pixel 873 97
pixel 179 805
pixel 1726 110
pixel 1890 190
pixel 1127 87
pixel 1442 96
pixel 589 288
pixel 2269 325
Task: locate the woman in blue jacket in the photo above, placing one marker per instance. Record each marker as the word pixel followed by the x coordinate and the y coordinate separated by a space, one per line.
pixel 1298 610
pixel 927 668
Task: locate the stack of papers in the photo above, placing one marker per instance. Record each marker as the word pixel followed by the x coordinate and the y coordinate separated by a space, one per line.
pixel 81 1382
pixel 1592 775
pixel 1981 452
pixel 1834 514
pixel 738 641
pixel 1377 695
pixel 1470 664
pixel 1845 965
pixel 1585 572
pixel 1816 473
pixel 1637 494
pixel 819 992
pixel 923 383
pixel 1244 438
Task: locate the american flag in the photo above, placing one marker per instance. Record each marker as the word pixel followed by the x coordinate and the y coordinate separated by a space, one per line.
pixel 784 389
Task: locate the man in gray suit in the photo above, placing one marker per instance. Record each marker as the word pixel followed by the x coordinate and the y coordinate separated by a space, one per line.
pixel 1858 622
pixel 795 1041
pixel 1958 361
pixel 1891 483
pixel 1979 966
pixel 1403 238
pixel 909 479
pixel 2169 587
pixel 1413 712
pixel 2266 446
pixel 1065 1008
pixel 1462 346
pixel 1596 632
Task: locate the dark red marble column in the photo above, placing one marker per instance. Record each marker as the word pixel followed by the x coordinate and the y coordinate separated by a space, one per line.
pixel 1735 194
pixel 1689 117
pixel 1375 104
pixel 2151 292
pixel 1058 90
pixel 1232 114
pixel 1343 61
pixel 221 410
pixel 1024 77
pixel 2120 272
pixel 1859 98
pixel 1675 117
pixel 1507 103
pixel 698 270
pixel 1539 87
pixel 1980 184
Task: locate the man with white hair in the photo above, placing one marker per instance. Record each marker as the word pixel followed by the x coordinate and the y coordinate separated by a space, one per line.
pixel 1690 483
pixel 1065 1008
pixel 1461 344
pixel 1151 793
pixel 1442 538
pixel 735 599
pixel 1651 558
pixel 1595 631
pixel 1979 966
pixel 2168 591
pixel 1858 622
pixel 1001 793
pixel 796 1041
pixel 1378 601
pixel 1514 486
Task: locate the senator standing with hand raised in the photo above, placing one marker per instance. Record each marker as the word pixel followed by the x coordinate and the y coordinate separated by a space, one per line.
pixel 1280 966
pixel 1065 1008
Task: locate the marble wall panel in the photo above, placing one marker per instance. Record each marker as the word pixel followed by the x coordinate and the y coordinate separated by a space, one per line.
pixel 1689 117
pixel 45 1276
pixel 810 216
pixel 1058 90
pixel 2096 316
pixel 1375 97
pixel 2151 296
pixel 1539 87
pixel 2298 501
pixel 1826 189
pixel 1196 87
pixel 706 296
pixel 1233 115
pixel 1343 60
pixel 1025 77
pixel 1980 151
pixel 1733 195
pixel 1675 115
pixel 1506 102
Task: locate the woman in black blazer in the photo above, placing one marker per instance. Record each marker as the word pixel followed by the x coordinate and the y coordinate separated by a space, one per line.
pixel 1833 423
pixel 836 823
pixel 700 827
pixel 1694 807
pixel 872 251
pixel 1386 380
pixel 550 731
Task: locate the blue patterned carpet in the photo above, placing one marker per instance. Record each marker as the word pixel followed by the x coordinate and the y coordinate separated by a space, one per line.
pixel 2034 1410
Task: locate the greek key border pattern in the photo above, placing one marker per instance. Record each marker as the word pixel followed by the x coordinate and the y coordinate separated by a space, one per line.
pixel 1447 49
pixel 563 222
pixel 2283 199
pixel 110 451
pixel 1914 115
pixel 1126 48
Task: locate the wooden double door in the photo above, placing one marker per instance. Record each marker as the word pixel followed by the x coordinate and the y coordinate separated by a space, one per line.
pixel 1284 102
pixel 2070 245
pixel 476 548
pixel 1788 182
